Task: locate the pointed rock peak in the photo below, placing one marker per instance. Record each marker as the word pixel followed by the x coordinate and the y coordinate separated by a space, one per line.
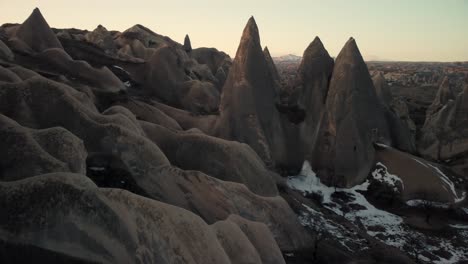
pixel 36 16
pixel 351 46
pixel 445 82
pixel 379 77
pixel 37 11
pixel 36 33
pixel 316 42
pixel 251 30
pixel 187 44
pixel 381 88
pixel 350 53
pixel 445 92
pixel 266 51
pixel 315 49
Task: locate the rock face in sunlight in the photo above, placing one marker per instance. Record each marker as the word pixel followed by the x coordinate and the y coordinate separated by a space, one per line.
pixel 129 147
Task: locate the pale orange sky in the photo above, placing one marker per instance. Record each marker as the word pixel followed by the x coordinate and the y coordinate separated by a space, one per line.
pixel 416 30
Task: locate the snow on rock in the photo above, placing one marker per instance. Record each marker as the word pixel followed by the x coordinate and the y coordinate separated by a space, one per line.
pixel 382 175
pixel 381 145
pixel 349 239
pixel 423 203
pixel 449 184
pixel 387 227
pixel 377 222
pixel 459 226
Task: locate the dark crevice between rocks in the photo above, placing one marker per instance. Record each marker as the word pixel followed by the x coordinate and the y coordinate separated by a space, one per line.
pixel 108 172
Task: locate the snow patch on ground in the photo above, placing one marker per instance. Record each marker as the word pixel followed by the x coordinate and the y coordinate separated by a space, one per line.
pixel 385 226
pixel 423 203
pixel 459 226
pixel 420 162
pixel 377 222
pixel 446 180
pixel 346 237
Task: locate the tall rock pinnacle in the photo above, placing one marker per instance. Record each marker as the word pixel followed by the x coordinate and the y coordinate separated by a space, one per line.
pixel 187 44
pixel 36 33
pixel 354 120
pixel 312 81
pixel 382 90
pixel 444 94
pixel 248 111
pixel 271 64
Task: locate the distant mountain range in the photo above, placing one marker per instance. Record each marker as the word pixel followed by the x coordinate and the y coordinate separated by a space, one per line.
pixel 287 58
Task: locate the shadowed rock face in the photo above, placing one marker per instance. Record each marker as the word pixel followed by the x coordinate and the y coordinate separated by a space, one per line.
pixel 103 39
pixel 32 152
pixel 102 225
pixel 382 90
pixel 271 65
pixel 443 96
pixel 5 52
pixel 247 111
pixel 116 134
pixel 421 179
pixel 402 127
pixel 312 83
pixel 445 133
pixel 36 33
pixel 187 44
pixel 222 159
pixel 176 79
pixel 354 119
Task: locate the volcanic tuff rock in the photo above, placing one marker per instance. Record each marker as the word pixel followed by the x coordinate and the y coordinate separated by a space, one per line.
pixel 101 80
pixel 102 38
pixel 173 77
pixel 235 243
pixel 445 133
pixel 225 160
pixel 402 128
pixel 89 224
pixel 443 96
pixel 382 90
pixel 218 62
pixel 149 113
pixel 421 179
pixel 5 52
pixel 36 33
pixel 104 106
pixel 6 75
pixel 271 65
pixel 312 84
pixel 47 150
pixel 247 111
pixel 116 136
pixel 187 44
pixel 354 120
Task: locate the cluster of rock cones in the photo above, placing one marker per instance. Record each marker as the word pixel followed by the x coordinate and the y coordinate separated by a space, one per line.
pixel 128 147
